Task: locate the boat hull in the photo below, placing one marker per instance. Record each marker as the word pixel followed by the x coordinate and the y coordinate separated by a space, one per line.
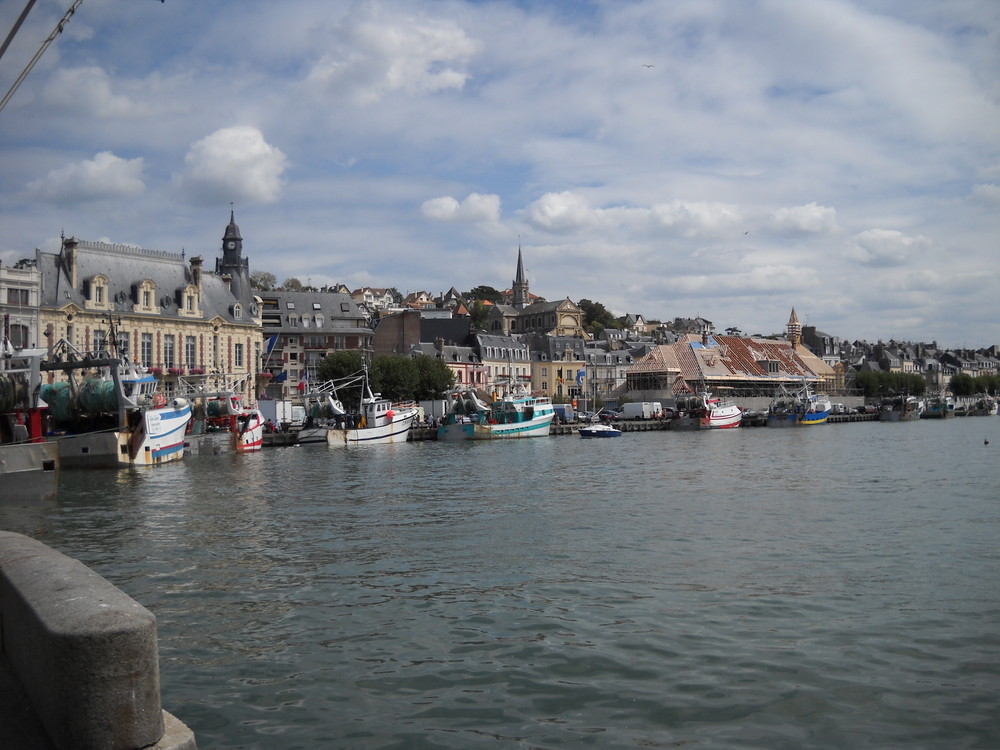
pixel 158 438
pixel 396 431
pixel 29 471
pixel 599 431
pixel 536 427
pixel 248 432
pixel 798 420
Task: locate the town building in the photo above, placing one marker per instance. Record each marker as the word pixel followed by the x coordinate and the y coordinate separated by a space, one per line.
pixel 20 287
pixel 523 315
pixel 300 329
pixel 170 314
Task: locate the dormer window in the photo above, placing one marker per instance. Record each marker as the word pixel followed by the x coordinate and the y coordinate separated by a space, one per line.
pixel 145 297
pixel 96 291
pixel 237 310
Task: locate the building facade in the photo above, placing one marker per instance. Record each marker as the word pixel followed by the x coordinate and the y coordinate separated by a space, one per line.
pixel 169 313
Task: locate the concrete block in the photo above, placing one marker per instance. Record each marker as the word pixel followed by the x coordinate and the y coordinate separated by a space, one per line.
pixel 84 652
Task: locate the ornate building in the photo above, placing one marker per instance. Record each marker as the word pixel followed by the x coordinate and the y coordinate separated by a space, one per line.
pixel 170 314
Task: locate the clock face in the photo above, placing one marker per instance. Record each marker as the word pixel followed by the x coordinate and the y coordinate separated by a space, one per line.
pixel 231 245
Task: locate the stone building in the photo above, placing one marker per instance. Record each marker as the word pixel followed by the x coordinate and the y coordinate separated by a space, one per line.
pixel 171 314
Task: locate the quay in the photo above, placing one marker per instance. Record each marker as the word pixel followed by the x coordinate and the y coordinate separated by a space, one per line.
pixel 79 664
pixel 417 434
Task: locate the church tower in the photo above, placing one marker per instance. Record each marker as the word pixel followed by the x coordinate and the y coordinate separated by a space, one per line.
pixel 794 334
pixel 521 298
pixel 232 262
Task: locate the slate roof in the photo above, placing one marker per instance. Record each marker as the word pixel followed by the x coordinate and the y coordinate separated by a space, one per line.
pixel 340 314
pixel 126 266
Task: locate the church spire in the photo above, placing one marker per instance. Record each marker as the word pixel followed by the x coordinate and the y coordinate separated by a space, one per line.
pixel 794 334
pixel 521 297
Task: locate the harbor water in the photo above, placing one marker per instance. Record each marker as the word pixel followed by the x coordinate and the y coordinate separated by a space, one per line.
pixel 826 587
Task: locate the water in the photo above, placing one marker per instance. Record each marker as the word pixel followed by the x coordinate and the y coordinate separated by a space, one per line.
pixel 828 587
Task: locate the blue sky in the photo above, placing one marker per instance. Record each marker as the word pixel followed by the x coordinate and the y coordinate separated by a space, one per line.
pixel 728 159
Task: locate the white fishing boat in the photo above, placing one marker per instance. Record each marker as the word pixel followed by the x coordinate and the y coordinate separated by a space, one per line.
pixel 705 412
pixel 515 415
pixel 377 420
pixel 111 412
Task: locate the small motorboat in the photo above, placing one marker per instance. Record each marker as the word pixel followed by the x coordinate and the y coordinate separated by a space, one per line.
pixel 599 431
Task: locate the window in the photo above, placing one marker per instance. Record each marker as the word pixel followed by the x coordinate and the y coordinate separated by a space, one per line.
pixel 169 349
pixel 345 307
pixel 289 305
pixel 191 351
pixel 123 347
pixel 17 296
pixel 237 310
pixel 189 302
pixel 19 334
pixel 237 355
pixel 98 294
pixel 100 341
pixel 146 344
pixel 317 306
pixel 147 298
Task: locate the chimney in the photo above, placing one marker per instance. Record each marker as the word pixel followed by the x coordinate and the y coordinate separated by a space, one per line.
pixel 196 263
pixel 228 281
pixel 69 256
pixel 439 344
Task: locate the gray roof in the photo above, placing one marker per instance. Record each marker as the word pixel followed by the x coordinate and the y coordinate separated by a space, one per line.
pixel 126 267
pixel 337 312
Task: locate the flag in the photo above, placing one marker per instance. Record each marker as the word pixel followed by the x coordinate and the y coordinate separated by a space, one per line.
pixel 580 375
pixel 271 342
pixel 281 377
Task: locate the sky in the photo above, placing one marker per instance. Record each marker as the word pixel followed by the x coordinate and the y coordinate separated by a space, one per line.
pixel 728 159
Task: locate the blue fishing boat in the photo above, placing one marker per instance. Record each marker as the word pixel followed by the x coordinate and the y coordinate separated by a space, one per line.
pixel 798 408
pixel 515 415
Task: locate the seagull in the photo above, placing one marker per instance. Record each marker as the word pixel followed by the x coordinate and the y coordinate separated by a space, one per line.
pixel 648 65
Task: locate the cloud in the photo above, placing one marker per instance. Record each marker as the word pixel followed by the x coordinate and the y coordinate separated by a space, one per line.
pixel 234 163
pixel 571 212
pixel 986 193
pixel 886 247
pixel 475 208
pixel 811 218
pixel 104 176
pixel 88 90
pixel 379 56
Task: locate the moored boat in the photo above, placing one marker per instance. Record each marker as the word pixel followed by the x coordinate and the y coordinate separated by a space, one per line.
pixel 515 415
pixel 798 408
pixel 985 406
pixel 703 412
pixel 29 465
pixel 939 407
pixel 599 431
pixel 376 421
pixel 900 409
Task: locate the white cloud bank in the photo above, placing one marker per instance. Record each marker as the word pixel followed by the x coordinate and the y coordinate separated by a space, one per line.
pixel 232 164
pixel 104 176
pixel 475 208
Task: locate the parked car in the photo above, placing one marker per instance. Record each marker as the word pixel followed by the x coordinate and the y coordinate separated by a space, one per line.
pixel 838 409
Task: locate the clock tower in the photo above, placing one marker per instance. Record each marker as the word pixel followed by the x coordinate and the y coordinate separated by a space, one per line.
pixel 232 261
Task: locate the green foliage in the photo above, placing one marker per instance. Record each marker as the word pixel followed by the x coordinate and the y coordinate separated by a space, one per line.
pixel 263 281
pixel 963 384
pixel 435 379
pixel 596 316
pixel 340 365
pixel 483 292
pixel 292 285
pixel 879 384
pixel 396 378
pixel 478 312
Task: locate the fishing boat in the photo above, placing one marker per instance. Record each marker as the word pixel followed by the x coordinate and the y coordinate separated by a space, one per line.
pixel 517 414
pixel 798 408
pixel 29 465
pixel 985 406
pixel 376 420
pixel 705 412
pixel 900 409
pixel 222 408
pixel 939 407
pixel 110 412
pixel 599 431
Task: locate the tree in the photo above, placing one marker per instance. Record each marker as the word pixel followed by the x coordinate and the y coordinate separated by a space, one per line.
pixel 263 281
pixel 397 378
pixel 435 378
pixel 962 384
pixel 478 313
pixel 483 292
pixel 596 316
pixel 292 285
pixel 340 365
